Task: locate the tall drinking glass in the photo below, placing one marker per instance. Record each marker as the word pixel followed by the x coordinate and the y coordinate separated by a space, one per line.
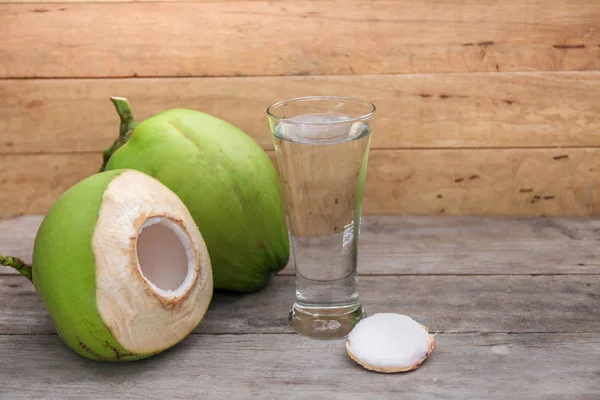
pixel 322 146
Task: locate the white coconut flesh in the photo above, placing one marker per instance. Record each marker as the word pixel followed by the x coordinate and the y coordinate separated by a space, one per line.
pixel 165 257
pixel 153 271
pixel 388 342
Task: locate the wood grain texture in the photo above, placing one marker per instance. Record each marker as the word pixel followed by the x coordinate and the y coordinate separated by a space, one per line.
pixel 423 111
pixel 123 1
pixel 511 182
pixel 479 245
pixel 296 37
pixel 497 366
pixel 551 182
pixel 450 304
pixel 432 245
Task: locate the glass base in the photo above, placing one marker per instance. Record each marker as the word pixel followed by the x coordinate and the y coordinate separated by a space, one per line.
pixel 325 322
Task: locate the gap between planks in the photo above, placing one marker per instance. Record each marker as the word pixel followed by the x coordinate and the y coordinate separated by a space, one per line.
pixel 466 332
pixel 271 151
pixel 457 74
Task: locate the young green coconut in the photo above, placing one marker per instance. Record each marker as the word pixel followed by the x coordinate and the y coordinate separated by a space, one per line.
pixel 121 266
pixel 225 179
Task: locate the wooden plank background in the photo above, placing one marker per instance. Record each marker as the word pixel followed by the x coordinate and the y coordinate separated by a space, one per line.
pixel 421 182
pixel 297 37
pixel 480 110
pixel 484 108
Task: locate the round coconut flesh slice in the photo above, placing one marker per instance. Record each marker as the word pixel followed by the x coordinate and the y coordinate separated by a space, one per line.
pixel 389 342
pixel 122 267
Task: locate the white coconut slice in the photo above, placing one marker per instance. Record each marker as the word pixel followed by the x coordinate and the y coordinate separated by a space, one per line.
pixel 388 342
pixel 153 271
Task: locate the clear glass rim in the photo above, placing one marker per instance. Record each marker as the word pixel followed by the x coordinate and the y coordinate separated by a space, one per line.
pixel 362 117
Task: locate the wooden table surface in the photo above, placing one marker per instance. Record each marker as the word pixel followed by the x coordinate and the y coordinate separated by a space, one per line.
pixel 514 303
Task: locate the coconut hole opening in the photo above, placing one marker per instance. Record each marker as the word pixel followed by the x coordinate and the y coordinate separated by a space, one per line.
pixel 165 256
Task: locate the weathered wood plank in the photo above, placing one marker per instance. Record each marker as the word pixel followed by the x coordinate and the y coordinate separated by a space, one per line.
pixel 432 245
pixel 442 303
pixel 124 1
pixel 302 37
pixel 510 182
pixel 423 111
pixel 476 245
pixel 497 366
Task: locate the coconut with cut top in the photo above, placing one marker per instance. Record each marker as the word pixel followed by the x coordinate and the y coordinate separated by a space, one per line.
pixel 388 342
pixel 121 267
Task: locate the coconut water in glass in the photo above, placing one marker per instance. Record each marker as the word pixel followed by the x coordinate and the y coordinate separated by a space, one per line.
pixel 322 147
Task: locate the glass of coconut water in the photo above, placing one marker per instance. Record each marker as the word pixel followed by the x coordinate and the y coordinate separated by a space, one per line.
pixel 322 147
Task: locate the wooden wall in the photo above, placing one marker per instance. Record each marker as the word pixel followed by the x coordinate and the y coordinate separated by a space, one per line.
pixel 485 107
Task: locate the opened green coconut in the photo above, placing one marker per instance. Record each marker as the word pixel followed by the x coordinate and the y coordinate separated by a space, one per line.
pixel 121 266
pixel 225 179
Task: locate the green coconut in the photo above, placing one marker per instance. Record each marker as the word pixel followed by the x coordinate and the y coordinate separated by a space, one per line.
pixel 121 267
pixel 225 179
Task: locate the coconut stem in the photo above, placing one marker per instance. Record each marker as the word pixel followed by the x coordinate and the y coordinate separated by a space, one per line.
pixel 16 263
pixel 128 124
pixel 124 110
